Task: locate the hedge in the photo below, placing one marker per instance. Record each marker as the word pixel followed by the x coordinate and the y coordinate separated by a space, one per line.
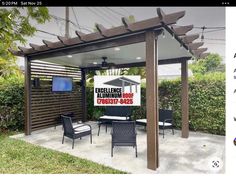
pixel 206 103
pixel 11 104
pixel 206 99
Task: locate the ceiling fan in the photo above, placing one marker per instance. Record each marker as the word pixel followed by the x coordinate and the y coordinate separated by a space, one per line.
pixel 105 64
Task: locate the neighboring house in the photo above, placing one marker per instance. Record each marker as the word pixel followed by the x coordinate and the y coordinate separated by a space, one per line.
pixel 170 72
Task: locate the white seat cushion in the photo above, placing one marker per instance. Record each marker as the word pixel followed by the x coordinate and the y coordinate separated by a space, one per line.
pixel 159 123
pixel 82 129
pixel 113 117
pixel 77 125
pixel 166 124
pixel 142 120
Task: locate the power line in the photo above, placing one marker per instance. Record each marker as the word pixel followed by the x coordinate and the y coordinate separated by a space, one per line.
pixel 63 19
pixel 111 14
pixel 122 15
pixel 126 11
pixel 205 27
pixel 211 43
pixel 58 25
pixel 43 37
pixel 215 39
pixel 109 17
pixel 76 18
pixel 97 14
pixel 39 30
pixel 215 30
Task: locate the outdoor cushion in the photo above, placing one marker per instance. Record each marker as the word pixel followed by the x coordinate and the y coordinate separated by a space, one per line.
pixel 166 124
pixel 142 120
pixel 159 123
pixel 82 129
pixel 77 125
pixel 113 117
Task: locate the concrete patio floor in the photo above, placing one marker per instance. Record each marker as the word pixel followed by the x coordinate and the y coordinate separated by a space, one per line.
pixel 177 155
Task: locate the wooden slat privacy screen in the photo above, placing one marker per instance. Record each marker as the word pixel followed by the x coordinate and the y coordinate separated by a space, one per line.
pixel 46 106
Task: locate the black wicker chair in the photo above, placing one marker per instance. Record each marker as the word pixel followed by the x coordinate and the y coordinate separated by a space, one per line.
pixel 114 113
pixel 76 132
pixel 123 134
pixel 166 120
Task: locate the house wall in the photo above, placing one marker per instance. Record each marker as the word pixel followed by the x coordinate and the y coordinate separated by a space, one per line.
pixel 45 105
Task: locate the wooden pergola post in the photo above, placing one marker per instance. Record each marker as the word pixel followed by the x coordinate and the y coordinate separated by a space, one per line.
pixel 27 94
pixel 152 101
pixel 84 94
pixel 184 99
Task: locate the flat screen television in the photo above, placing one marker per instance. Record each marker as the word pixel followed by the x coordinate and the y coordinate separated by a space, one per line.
pixel 61 84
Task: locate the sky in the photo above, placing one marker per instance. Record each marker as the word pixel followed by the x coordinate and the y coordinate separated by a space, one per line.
pixel 84 19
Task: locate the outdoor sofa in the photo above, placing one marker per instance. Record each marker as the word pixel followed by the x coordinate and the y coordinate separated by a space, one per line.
pixel 114 113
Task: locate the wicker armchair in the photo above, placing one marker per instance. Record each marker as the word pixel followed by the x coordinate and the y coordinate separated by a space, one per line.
pixel 123 134
pixel 73 133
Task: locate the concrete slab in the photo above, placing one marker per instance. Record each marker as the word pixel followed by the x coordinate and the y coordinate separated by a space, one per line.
pixel 201 153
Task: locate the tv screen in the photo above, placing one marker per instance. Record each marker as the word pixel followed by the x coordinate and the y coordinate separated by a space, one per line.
pixel 61 84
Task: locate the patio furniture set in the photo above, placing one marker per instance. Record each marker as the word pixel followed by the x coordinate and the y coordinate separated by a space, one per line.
pixel 123 131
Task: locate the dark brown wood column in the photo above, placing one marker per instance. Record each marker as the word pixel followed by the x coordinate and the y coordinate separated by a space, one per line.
pixel 184 99
pixel 27 95
pixel 152 101
pixel 84 94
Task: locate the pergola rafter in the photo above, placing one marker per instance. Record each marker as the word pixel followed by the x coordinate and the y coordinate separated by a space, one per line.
pixel 126 23
pixel 101 29
pixel 203 55
pixel 35 47
pixel 163 20
pixel 181 30
pixel 194 46
pixel 189 38
pixel 199 51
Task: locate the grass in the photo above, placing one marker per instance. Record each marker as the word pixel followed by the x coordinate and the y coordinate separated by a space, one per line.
pixel 23 158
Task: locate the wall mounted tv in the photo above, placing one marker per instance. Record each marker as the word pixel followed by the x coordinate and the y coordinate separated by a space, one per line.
pixel 61 84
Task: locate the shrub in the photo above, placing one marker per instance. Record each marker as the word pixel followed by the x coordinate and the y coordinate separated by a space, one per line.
pixel 206 102
pixel 11 104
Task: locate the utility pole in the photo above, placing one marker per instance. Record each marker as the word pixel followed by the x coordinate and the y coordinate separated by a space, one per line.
pixel 67 35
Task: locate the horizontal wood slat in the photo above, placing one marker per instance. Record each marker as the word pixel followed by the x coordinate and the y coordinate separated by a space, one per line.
pixel 37 116
pixel 46 106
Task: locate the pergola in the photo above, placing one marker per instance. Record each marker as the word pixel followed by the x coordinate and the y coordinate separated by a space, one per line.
pixel 155 41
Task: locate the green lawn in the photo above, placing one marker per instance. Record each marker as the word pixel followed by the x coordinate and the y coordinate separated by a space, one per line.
pixel 20 157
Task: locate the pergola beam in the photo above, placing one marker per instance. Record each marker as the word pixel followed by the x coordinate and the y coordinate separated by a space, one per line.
pixel 87 47
pixel 25 50
pixel 143 64
pixel 16 52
